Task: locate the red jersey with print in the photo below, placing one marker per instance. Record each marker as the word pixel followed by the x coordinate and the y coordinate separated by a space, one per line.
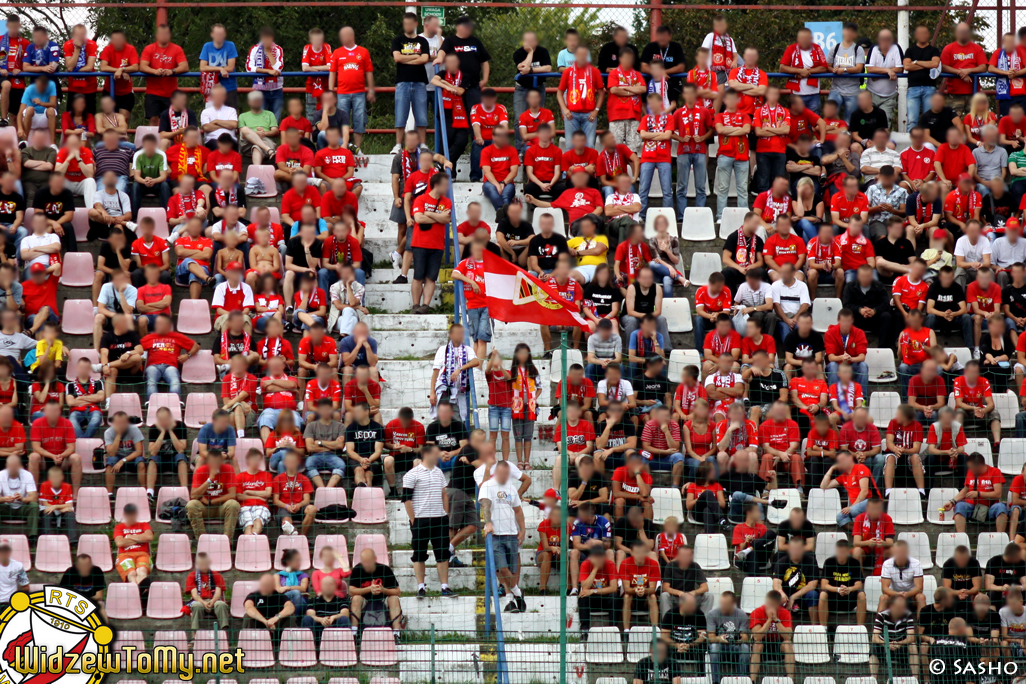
pixel 543 161
pixel 167 57
pixel 276 346
pixel 14 435
pixel 334 163
pixel 579 202
pixel 882 529
pixel 1011 129
pixel 745 438
pixel 655 151
pixel 474 270
pixel 694 122
pixel 784 250
pixel 749 76
pixel 605 576
pixel 294 159
pixel 821 253
pixel 583 393
pixel 733 146
pixel 860 441
pixel 632 258
pixel 852 482
pixel 808 391
pixel 959 57
pixel 292 202
pixel 913 345
pixel 772 117
pixel 743 533
pixel 804 123
pixel 410 436
pixel 586 157
pixel 81 85
pixel 712 303
pixel 279 398
pixel 532 121
pixel 249 482
pixel 839 124
pixel 232 386
pixel 315 392
pixel 846 208
pixel 623 107
pixel 634 575
pixel 984 483
pixel 354 394
pixel 165 349
pixel 703 80
pixel 434 236
pixel 779 435
pixel 766 344
pixel 150 253
pixel 315 299
pixel 54 439
pixel 905 436
pixel 320 353
pixel 125 530
pixel 198 244
pixel 217 162
pixel 316 85
pixel 488 120
pixel 912 295
pixel 828 441
pixel 722 345
pixel 917 164
pixel 351 66
pixel 125 57
pixel 852 392
pixel 577 436
pixel 944 442
pixel 962 206
pixel 291 488
pixel 74 172
pixel 628 482
pixel 185 161
pixel 60 497
pixel 987 300
pixel 580 87
pixel 669 545
pixel 302 123
pixel 220 483
pixel 854 251
pixel 769 206
pixel 973 395
pixel 500 161
pixel 571 290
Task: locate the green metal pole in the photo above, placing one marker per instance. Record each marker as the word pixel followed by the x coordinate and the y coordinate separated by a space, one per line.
pixel 563 541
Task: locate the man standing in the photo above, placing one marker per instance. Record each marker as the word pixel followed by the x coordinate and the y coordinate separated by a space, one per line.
pixel 920 61
pixel 580 95
pixel 410 53
pixel 885 58
pixel 693 124
pixel 846 57
pixel 963 58
pixel 164 60
pixel 474 60
pixel 503 517
pixel 352 77
pixel 802 59
pixel 733 128
pixel 427 504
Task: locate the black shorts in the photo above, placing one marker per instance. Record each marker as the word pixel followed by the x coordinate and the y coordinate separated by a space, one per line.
pixel 154 105
pixel 15 99
pixel 842 604
pixel 126 102
pixel 426 263
pixel 433 531
pixel 880 652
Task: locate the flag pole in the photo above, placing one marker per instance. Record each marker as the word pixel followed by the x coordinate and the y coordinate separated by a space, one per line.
pixel 563 541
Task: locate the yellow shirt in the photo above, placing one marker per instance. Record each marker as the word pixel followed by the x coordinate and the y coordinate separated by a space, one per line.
pixel 582 244
pixel 56 352
pixel 945 259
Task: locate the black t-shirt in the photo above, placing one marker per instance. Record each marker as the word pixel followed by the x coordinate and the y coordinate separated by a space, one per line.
pixel 110 259
pixel 985 626
pixel 672 55
pixel 87 586
pixel 165 120
pixel 167 447
pixel 406 46
pixel 687 579
pixel 897 253
pixel 1004 573
pixel 652 389
pixel 294 249
pixel 1015 298
pixel 935 621
pixel 788 530
pixel 119 344
pixel 754 250
pixel 547 249
pixel 997 210
pixel 600 299
pixel 9 206
pixel 541 58
pixel 961 578
pixel 645 672
pixel 236 345
pixel 803 159
pixel 592 488
pixel 804 347
pixel 794 576
pixel 324 608
pixel 766 390
pixel 54 206
pixel 463 473
pixel 938 123
pixel 447 438
pixel 946 298
pixel 921 54
pixel 864 124
pixel 364 437
pixel 519 232
pixel 683 628
pixel 472 53
pixel 339 119
pixel 382 574
pixel 268 606
pixel 842 574
pixel 618 434
pixel 609 56
pixel 623 528
pixel 733 481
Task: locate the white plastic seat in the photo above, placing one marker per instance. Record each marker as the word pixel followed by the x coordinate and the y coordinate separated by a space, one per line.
pixel 572 356
pixel 825 542
pixel 639 643
pixel 711 598
pixel 946 543
pixel 703 265
pixel 667 503
pixel 823 506
pixel 671 215
pixel 963 354
pixel 882 406
pixel 753 592
pixel 824 312
pixel 711 552
pixel 1011 455
pixel 918 547
pixel 881 361
pixel 1007 405
pixel 557 219
pixel 873 592
pixel 810 644
pixel 679 358
pixel 990 545
pixel 851 644
pixel 697 225
pixel 905 507
pixel 677 312
pixel 980 445
pixel 142 131
pixel 774 515
pixel 604 646
pixel 935 500
pixel 861 680
pixel 731 220
pixel 78 269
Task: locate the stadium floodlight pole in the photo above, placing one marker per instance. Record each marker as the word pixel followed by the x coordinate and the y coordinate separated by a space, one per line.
pixel 564 565
pixel 903 43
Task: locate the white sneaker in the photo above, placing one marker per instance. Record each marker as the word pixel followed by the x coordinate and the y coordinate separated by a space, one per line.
pixel 976 354
pixel 397 259
pixel 131 225
pixel 97 367
pixel 395 150
pixel 288 528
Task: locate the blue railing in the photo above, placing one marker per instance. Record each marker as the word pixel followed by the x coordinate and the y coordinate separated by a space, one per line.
pixel 492 603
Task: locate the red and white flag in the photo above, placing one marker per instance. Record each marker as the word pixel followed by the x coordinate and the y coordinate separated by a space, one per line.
pixel 515 296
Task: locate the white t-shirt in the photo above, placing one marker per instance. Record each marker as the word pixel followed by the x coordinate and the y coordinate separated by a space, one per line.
pixel 439 362
pixel 23 485
pixel 505 501
pixel 790 298
pixel 803 84
pixel 619 200
pixel 240 229
pixel 12 576
pixel 902 579
pixel 884 87
pixel 434 44
pixel 620 393
pixel 224 113
pixel 963 248
pixel 729 47
pixel 32 241
pixel 116 204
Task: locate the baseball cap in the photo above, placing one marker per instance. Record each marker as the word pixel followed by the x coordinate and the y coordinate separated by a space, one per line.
pixel 964 177
pixel 37 268
pixel 1012 224
pixel 940 234
pixel 552 493
pixel 234 266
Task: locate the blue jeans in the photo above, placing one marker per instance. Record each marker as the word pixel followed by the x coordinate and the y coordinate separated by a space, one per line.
pixel 812 102
pixel 355 105
pixel 737 503
pixel 664 463
pixel 580 122
pixel 1020 424
pixel 691 465
pixel 90 419
pixel 479 324
pixel 662 273
pixel 965 509
pixel 500 419
pixel 326 277
pixel 724 167
pixel 665 180
pixel 324 460
pixel 769 165
pixel 165 372
pixel 702 326
pixel 736 655
pixel 963 322
pixel 182 271
pixel 500 199
pixel 269 418
pixel 854 512
pixel 685 164
pixel 846 104
pixel 273 100
pixel 298 600
pixel 411 96
pixel 17 235
pixel 475 161
pixel 861 371
pixel 918 99
pixel 807 228
pixel 905 373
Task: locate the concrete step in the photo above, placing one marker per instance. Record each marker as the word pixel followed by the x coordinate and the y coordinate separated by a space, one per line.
pixel 414 387
pixel 394 298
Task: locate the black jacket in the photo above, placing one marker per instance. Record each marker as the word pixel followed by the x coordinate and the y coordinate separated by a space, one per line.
pixel 877 298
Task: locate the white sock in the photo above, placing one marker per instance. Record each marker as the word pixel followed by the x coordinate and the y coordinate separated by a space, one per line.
pixel 922 492
pixel 421 586
pixel 887 492
pixel 149 492
pixel 452 549
pixel 444 587
pixel 241 433
pixel 745 552
pixel 516 591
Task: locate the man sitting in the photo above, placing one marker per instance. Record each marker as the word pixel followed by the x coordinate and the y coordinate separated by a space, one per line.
pixel 132 538
pixel 899 623
pixel 207 589
pixel 841 583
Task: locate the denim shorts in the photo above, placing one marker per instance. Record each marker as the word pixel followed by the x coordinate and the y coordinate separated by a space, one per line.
pixel 507 552
pixel 500 419
pixel 479 324
pixel 407 96
pixel 355 105
pixel 523 430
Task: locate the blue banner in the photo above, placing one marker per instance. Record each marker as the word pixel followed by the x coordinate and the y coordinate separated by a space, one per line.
pixel 825 34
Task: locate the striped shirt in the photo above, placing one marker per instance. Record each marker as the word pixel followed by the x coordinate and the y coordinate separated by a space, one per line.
pixel 118 160
pixel 605 349
pixel 897 628
pixel 653 435
pixel 424 486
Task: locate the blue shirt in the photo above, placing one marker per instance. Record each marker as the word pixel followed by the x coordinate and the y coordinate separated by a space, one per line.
pixel 632 343
pixel 213 440
pixel 218 57
pixel 348 344
pixel 322 227
pixel 600 529
pixel 32 92
pixel 44 56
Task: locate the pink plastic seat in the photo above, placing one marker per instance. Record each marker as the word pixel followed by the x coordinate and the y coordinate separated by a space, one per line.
pixel 199 408
pixel 242 447
pixel 301 680
pixel 159 216
pixel 297 648
pixel 167 493
pixel 84 447
pixel 160 400
pixel 377 648
pixel 369 504
pixel 20 549
pixel 135 495
pixel 130 638
pixel 80 223
pixel 194 317
pixel 275 214
pixel 53 553
pixel 377 542
pixel 266 174
pixel 174 552
pixel 142 131
pixel 338 648
pixel 252 553
pixel 97 547
pixel 218 548
pixel 205 642
pixel 123 601
pixel 200 370
pixel 240 590
pixel 75 354
pixel 77 317
pixel 335 541
pixel 93 506
pixel 165 601
pixel 256 644
pixel 175 638
pixel 124 401
pixel 298 542
pixel 327 496
pixel 78 269
pixel 343 680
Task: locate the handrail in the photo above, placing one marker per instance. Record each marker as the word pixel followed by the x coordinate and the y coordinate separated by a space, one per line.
pixel 492 596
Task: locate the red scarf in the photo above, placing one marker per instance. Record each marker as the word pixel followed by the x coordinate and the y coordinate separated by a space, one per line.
pixel 720 345
pixel 270 351
pixel 634 262
pixel 246 340
pixel 721 56
pixel 615 163
pixel 223 198
pixel 454 101
pixel 577 93
pixel 921 209
pixel 525 405
pixel 627 78
pixel 408 162
pixel 688 397
pixel 189 203
pixel 742 248
pixel 965 205
pixel 702 79
pixel 818 60
pixel 235 385
pixel 749 76
pixel 178 122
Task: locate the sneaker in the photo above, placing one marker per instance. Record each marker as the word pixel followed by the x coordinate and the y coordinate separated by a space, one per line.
pixel 4 123
pixel 97 367
pixel 398 636
pixel 455 562
pixel 422 593
pixel 395 150
pixel 521 603
pixel 400 280
pixel 513 606
pixel 740 556
pixel 448 593
pixel 23 145
pixel 887 375
pixel 288 528
pixel 131 225
pixel 572 592
pixel 397 259
pixel 976 354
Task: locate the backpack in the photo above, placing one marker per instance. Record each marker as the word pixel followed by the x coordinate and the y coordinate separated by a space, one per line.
pixel 336 512
pixel 174 510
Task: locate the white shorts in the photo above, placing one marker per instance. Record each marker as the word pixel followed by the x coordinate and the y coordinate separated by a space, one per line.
pixel 587 271
pixel 40 121
pixel 250 514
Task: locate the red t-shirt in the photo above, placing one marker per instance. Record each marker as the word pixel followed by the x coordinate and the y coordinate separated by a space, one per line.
pixel 314 392
pixel 846 208
pixel 500 161
pixel 53 394
pixel 232 386
pixel 199 244
pixel 315 85
pixel 809 391
pixel 14 435
pixel 943 443
pixel 74 172
pixel 628 483
pixel 123 530
pixel 410 436
pixel 245 482
pixel 770 207
pixel 488 120
pixel 53 439
pixel 334 163
pixel 218 162
pixel 351 66
pixel 302 123
pixel 655 151
pixel 912 295
pixel 290 490
pixel 852 482
pixel 613 162
pixel 577 436
pixel 984 483
pixel 779 436
pixel 532 121
pixel 958 57
pixel 48 497
pixel 856 440
pixel 294 440
pixel 735 146
pixel 905 436
pixel 580 86
pixel 474 270
pixel 1011 129
pixel 605 576
pixel 206 583
pixel 634 575
pixel 320 353
pixel 579 203
pixel 158 57
pixel 972 395
pixel 917 164
pixel 354 394
pixel 623 107
pixel 767 344
pixel 751 76
pixel 772 117
pixel 953 161
pixel 222 482
pixel 294 159
pixel 165 349
pixel 316 300
pixel 694 121
pixel 152 253
pixel 433 237
pixel 712 303
pixel 543 161
pixel 988 300
pixel 853 251
pixel 36 296
pixel 632 258
pixel 804 123
pixel 784 250
pixel 586 157
pixel 148 294
pixel 829 441
pixel 743 531
pixel 332 206
pixel 758 619
pixel 913 345
pixel 80 85
pixel 126 56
